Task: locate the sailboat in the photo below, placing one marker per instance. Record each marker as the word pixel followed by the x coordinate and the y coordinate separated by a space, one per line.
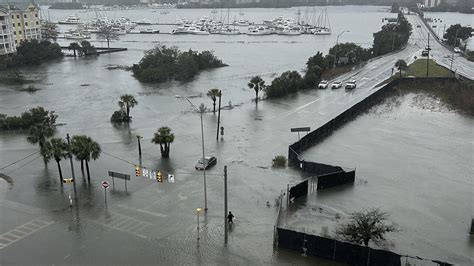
pixel 323 26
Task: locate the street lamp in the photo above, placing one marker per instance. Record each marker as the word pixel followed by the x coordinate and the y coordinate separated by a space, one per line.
pixel 337 42
pixel 201 110
pixel 198 210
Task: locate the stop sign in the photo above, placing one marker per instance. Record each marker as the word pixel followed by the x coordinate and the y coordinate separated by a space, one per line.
pixel 105 184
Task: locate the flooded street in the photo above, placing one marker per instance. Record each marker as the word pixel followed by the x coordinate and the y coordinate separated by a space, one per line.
pixel 156 222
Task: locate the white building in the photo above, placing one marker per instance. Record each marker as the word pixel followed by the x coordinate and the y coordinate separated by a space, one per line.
pixel 7 38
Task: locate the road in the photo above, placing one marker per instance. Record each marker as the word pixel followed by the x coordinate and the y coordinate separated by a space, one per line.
pixel 440 53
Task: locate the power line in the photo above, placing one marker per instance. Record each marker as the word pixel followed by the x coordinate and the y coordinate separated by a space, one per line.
pixel 21 166
pixel 19 160
pixel 118 158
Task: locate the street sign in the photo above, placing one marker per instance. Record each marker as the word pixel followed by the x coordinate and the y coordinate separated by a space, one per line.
pixel 300 129
pixel 105 184
pixel 119 175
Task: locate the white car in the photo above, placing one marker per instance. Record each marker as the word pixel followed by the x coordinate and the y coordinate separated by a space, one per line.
pixel 457 50
pixel 351 85
pixel 323 84
pixel 336 85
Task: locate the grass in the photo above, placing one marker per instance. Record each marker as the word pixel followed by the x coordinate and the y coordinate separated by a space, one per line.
pixel 418 69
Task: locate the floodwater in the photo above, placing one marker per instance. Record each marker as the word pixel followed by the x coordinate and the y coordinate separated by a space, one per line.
pixel 156 223
pixel 413 159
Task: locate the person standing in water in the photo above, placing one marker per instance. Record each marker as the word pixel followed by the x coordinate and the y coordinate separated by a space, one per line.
pixel 230 218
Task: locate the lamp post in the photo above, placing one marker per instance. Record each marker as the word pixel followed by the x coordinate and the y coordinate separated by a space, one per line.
pixel 198 211
pixel 337 42
pixel 201 111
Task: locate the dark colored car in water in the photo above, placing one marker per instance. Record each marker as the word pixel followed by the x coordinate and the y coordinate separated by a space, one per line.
pixel 206 163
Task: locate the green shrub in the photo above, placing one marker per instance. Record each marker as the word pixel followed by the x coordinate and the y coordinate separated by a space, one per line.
pixel 279 161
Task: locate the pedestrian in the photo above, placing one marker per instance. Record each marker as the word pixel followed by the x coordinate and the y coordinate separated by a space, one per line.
pixel 230 217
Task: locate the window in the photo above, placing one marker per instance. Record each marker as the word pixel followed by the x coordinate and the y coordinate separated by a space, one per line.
pixel 13 16
pixel 7 45
pixel 37 23
pixel 4 27
pixel 24 15
pixel 17 16
pixel 26 23
pixel 36 14
pixel 19 32
pixel 2 18
pixel 19 24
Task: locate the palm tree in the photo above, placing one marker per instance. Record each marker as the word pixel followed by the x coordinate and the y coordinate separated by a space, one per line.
pixel 258 84
pixel 38 133
pixel 58 149
pixel 402 65
pixel 213 94
pixel 126 102
pixel 85 149
pixel 164 137
pixel 75 47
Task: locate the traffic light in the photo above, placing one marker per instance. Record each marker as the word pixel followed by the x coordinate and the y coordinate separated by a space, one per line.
pixel 68 180
pixel 137 170
pixel 159 178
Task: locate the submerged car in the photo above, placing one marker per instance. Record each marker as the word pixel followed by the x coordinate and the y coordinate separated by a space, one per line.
pixel 336 85
pixel 206 163
pixel 323 84
pixel 457 50
pixel 424 53
pixel 351 85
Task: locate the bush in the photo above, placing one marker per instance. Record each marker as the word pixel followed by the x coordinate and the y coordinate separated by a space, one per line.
pixel 163 63
pixel 279 161
pixel 287 82
pixel 37 115
pixel 118 117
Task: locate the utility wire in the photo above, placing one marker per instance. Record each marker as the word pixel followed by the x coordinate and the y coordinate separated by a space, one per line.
pixel 118 158
pixel 21 166
pixel 19 160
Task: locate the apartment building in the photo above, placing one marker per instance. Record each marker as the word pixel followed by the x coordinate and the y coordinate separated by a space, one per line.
pixel 26 22
pixel 7 38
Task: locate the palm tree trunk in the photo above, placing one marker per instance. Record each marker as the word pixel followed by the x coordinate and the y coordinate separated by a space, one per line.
pixel 60 172
pixel 214 103
pixel 74 53
pixel 108 43
pixel 256 95
pixel 82 166
pixel 128 113
pixel 400 72
pixel 88 173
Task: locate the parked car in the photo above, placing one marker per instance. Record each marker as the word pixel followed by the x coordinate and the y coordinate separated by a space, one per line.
pixel 206 163
pixel 418 26
pixel 323 84
pixel 457 50
pixel 336 85
pixel 351 85
pixel 424 53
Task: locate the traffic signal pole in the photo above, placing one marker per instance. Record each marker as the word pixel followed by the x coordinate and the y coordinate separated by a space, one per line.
pixel 226 224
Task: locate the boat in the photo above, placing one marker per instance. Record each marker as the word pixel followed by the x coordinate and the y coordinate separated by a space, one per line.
pixel 143 22
pixel 242 22
pixel 227 31
pixel 71 20
pixel 76 36
pixel 258 31
pixel 322 31
pixel 180 30
pixel 197 31
pixel 288 32
pixel 150 31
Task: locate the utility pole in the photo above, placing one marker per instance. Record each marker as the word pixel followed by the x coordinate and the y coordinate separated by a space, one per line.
pixel 72 166
pixel 139 150
pixel 335 52
pixel 201 111
pixel 219 115
pixel 428 57
pixel 226 224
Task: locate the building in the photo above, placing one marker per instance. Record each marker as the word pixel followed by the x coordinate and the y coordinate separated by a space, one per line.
pixel 435 3
pixel 7 38
pixel 26 22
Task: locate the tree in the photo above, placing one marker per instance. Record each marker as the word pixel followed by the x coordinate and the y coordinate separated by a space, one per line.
pixel 75 47
pixel 401 65
pixel 85 149
pixel 58 149
pixel 312 77
pixel 317 60
pixel 49 31
pixel 365 226
pixel 107 33
pixel 463 33
pixel 126 102
pixel 87 49
pixel 213 94
pixel 395 8
pixel 164 137
pixel 38 133
pixel 287 82
pixel 257 84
